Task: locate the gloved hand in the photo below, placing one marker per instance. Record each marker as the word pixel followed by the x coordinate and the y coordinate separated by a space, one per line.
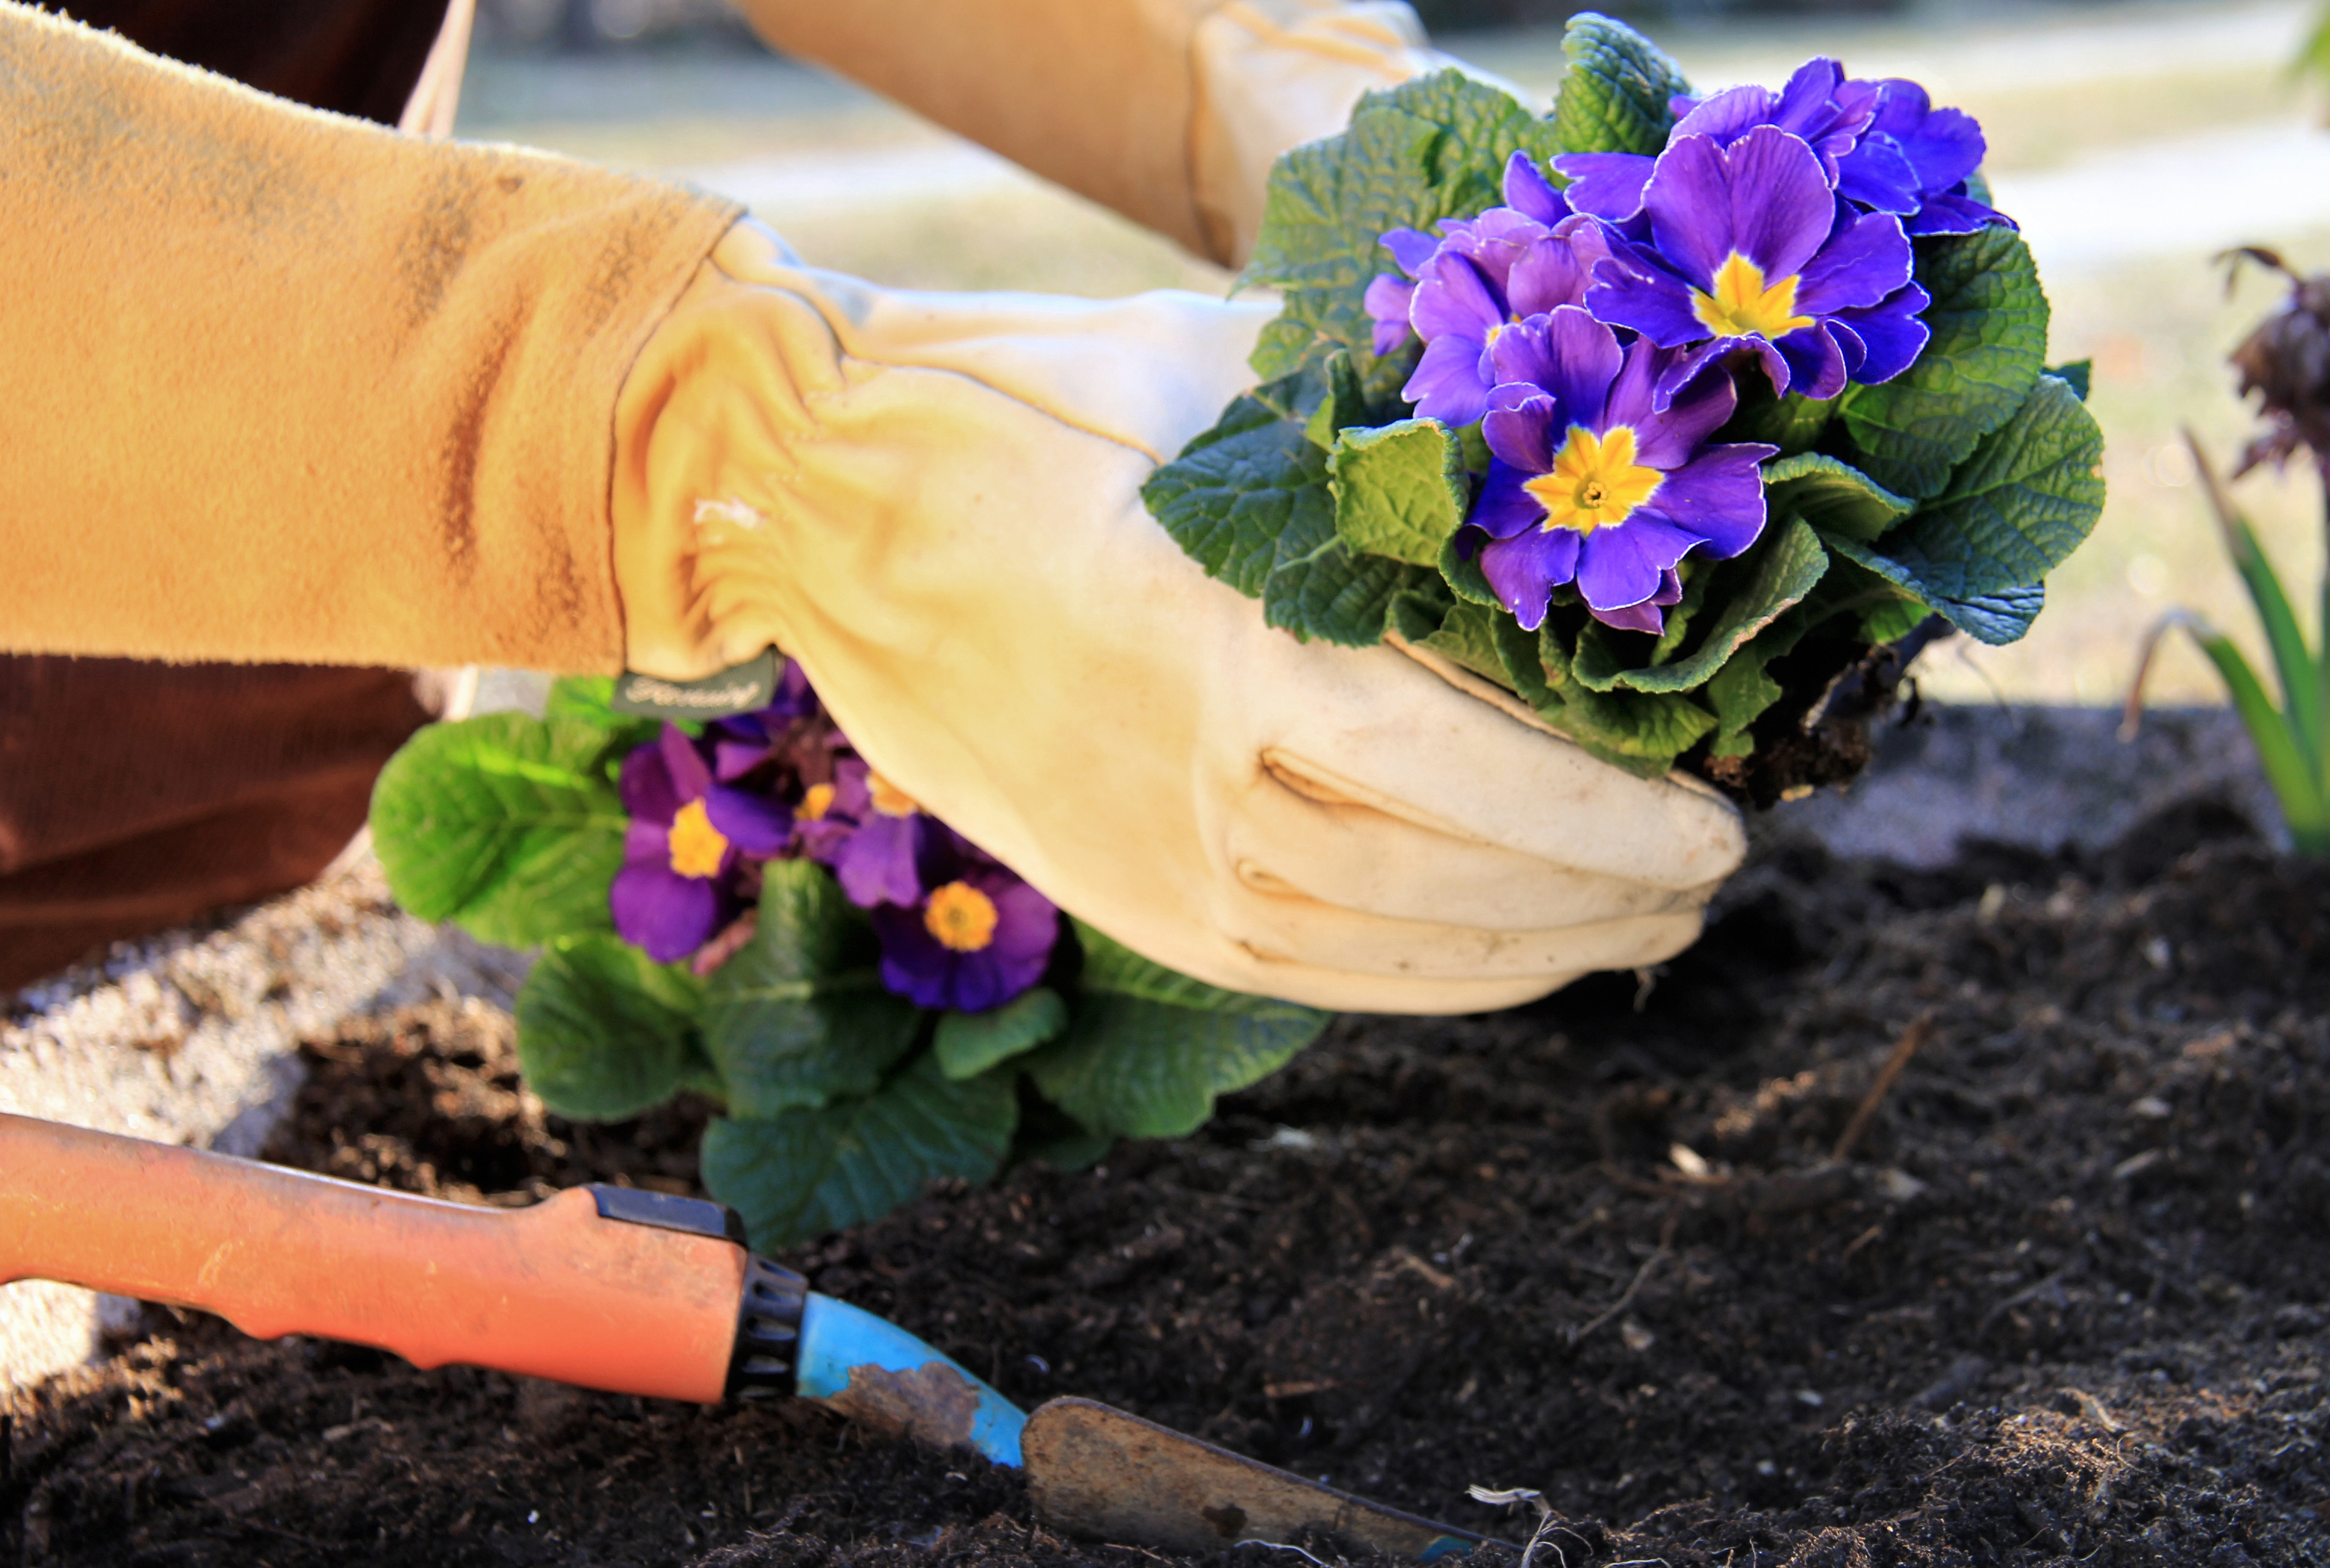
pixel 1273 74
pixel 932 501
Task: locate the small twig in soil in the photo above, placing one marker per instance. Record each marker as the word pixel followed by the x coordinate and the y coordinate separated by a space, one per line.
pixel 1625 1300
pixel 1912 1041
pixel 1280 1546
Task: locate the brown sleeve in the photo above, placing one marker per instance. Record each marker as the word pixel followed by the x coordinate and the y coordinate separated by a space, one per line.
pixel 285 385
pixel 1095 94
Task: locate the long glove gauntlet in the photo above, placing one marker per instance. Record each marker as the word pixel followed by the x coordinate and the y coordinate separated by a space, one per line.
pixel 932 502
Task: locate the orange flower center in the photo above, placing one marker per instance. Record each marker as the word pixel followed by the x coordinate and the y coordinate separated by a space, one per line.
pixel 697 847
pixel 1596 481
pixel 1744 305
pixel 888 799
pixel 961 917
pixel 815 803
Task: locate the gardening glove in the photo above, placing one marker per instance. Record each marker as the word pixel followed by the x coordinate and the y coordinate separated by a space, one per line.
pixel 1273 74
pixel 1169 111
pixel 932 502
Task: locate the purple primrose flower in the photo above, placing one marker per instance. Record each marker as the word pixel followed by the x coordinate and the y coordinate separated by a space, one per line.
pixel 870 831
pixel 1754 252
pixel 1881 144
pixel 686 839
pixel 1590 481
pixel 745 741
pixel 977 938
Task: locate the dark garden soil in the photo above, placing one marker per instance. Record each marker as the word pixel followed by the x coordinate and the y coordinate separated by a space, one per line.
pixel 2061 1298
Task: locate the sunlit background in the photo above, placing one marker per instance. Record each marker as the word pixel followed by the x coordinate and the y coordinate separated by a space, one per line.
pixel 2135 141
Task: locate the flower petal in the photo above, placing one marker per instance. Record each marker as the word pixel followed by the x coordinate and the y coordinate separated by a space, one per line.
pixel 1505 508
pixel 1718 497
pixel 1892 334
pixel 1666 438
pixel 1627 563
pixel 1446 384
pixel 691 776
pixel 1815 361
pixel 1528 192
pixel 1410 247
pixel 1556 271
pixel 755 825
pixel 1869 260
pixel 1519 432
pixel 645 785
pixel 1781 206
pixel 1522 571
pixel 1878 175
pixel 1452 298
pixel 1729 115
pixel 1689 200
pixel 1632 292
pixel 1606 184
pixel 1387 300
pixel 668 915
pixel 1583 358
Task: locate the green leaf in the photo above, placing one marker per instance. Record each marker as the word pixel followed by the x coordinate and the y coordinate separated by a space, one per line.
pixel 504 823
pixel 1642 733
pixel 797 1175
pixel 1835 497
pixel 1743 689
pixel 1239 489
pixel 1785 565
pixel 1400 491
pixel 969 1044
pixel 1149 1049
pixel 2305 804
pixel 1614 98
pixel 1468 638
pixel 1980 552
pixel 1989 325
pixel 799 1016
pixel 604 1032
pixel 2080 375
pixel 1327 591
pixel 1428 149
pixel 1792 423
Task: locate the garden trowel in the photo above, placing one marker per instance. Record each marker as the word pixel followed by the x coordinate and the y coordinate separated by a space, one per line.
pixel 614 1288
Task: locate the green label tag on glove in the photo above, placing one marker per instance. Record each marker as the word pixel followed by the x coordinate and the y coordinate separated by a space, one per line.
pixel 738 689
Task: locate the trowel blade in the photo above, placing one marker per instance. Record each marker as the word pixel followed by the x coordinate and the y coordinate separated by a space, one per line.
pixel 1097 1472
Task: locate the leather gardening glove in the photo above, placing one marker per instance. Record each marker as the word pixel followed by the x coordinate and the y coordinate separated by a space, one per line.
pixel 1273 74
pixel 932 502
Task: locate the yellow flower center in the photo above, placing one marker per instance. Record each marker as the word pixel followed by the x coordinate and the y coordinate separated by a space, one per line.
pixel 961 917
pixel 888 799
pixel 1743 305
pixel 697 847
pixel 816 801
pixel 1596 481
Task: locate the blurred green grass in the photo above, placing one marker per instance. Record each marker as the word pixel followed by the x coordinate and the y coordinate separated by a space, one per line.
pixel 2157 329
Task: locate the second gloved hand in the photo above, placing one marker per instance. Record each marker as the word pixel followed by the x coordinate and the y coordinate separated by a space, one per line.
pixel 932 502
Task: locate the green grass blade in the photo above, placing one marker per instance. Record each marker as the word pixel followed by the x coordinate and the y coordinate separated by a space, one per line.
pixel 2293 661
pixel 2287 766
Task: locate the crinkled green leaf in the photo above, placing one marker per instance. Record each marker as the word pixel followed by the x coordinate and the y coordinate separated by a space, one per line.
pixel 2022 501
pixel 1431 148
pixel 1834 496
pixel 1149 1049
pixel 799 1174
pixel 1240 489
pixel 1468 638
pixel 1642 733
pixel 1785 565
pixel 1614 96
pixel 507 824
pixel 1325 589
pixel 1743 689
pixel 1989 323
pixel 2078 375
pixel 1792 423
pixel 968 1044
pixel 798 1016
pixel 1400 490
pixel 604 1032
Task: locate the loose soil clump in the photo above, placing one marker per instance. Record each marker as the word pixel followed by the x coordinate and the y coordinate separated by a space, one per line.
pixel 2061 1296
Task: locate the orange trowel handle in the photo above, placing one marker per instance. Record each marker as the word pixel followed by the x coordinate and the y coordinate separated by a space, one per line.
pixel 554 1290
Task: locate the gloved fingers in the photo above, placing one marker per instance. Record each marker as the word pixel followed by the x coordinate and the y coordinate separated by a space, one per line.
pixel 1037 349
pixel 1294 930
pixel 1357 858
pixel 1376 729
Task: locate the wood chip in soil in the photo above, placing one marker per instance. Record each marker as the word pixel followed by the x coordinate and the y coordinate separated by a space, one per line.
pixel 2064 1300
